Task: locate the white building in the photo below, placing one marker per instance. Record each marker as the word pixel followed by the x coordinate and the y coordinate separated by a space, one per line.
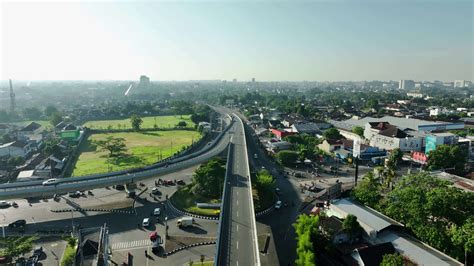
pixel 406 84
pixel 461 83
pixel 415 94
pixel 15 149
pixel 388 137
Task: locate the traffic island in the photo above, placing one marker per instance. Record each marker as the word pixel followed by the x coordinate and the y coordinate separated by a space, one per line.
pixel 177 243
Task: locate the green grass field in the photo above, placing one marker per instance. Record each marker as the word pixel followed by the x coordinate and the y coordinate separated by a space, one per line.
pixel 167 121
pixel 144 148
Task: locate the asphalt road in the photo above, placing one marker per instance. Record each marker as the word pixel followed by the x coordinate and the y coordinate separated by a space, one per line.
pixel 238 227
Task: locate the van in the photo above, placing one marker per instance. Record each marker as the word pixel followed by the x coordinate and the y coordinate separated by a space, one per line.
pixel 185 222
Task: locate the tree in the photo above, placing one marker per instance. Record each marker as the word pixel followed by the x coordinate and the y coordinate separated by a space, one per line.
pixel 332 134
pixel 306 229
pixel 32 113
pixel 6 138
pixel 181 124
pixel 136 121
pixel 429 207
pixel 115 146
pixel 55 118
pixel 17 246
pixel 287 158
pixel 359 131
pixel 395 158
pixel 463 236
pixel 49 110
pixel 367 190
pixel 392 260
pixel 351 226
pixel 447 156
pixel 208 179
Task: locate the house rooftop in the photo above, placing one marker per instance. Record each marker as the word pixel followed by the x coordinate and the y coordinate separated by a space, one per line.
pixel 416 250
pixel 31 127
pixel 369 219
pixel 400 122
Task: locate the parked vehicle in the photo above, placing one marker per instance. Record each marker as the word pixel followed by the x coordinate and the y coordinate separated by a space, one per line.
pixel 119 187
pixel 157 211
pixel 185 222
pixel 155 191
pixel 146 222
pixel 168 182
pixel 74 194
pixel 51 181
pixel 17 223
pixel 15 205
pixel 38 251
pixel 278 205
pixel 180 182
pixel 278 191
pixel 4 203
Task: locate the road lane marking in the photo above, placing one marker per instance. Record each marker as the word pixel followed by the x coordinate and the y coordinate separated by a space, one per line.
pixel 237 244
pixel 237 213
pixel 131 244
pixel 237 228
pixel 237 202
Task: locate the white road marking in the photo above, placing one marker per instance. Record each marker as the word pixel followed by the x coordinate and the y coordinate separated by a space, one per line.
pixel 237 263
pixel 237 228
pixel 131 244
pixel 237 213
pixel 237 202
pixel 237 244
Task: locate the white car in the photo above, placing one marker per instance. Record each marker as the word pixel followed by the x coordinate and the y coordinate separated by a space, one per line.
pixel 50 181
pixel 278 205
pixel 277 190
pixel 4 203
pixel 157 211
pixel 146 222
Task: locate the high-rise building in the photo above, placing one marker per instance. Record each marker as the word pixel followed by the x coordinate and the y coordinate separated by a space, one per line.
pixel 12 98
pixel 253 80
pixel 406 84
pixel 144 81
pixel 461 83
pixel 234 80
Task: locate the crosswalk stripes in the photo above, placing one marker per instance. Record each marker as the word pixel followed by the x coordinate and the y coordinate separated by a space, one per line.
pixel 131 244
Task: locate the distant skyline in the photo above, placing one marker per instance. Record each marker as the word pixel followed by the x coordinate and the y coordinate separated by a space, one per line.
pixel 339 40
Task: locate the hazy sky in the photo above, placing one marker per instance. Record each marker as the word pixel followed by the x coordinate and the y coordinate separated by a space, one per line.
pixel 268 40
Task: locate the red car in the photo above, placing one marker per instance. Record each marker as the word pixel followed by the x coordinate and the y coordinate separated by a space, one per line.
pixel 168 182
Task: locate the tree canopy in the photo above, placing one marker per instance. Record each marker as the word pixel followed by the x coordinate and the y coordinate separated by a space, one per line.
pixel 392 260
pixel 447 156
pixel 209 178
pixel 358 130
pixel 17 246
pixel 115 146
pixel 306 229
pixel 287 158
pixel 136 122
pixel 332 134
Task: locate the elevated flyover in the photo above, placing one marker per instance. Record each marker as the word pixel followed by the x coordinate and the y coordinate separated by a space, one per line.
pixel 237 243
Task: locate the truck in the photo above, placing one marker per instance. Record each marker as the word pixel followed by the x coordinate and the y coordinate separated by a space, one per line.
pixel 185 222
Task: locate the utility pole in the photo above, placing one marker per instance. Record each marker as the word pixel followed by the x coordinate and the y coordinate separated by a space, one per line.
pixel 12 98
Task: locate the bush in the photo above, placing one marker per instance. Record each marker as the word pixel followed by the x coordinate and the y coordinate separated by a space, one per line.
pixel 287 158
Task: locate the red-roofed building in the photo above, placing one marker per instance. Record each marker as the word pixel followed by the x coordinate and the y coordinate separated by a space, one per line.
pixel 280 133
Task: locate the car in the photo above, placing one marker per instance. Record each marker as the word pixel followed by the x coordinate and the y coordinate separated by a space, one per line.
pixel 4 203
pixel 278 190
pixel 51 181
pixel 146 222
pixel 74 194
pixel 155 191
pixel 157 211
pixel 278 205
pixel 38 251
pixel 168 182
pixel 180 182
pixel 119 187
pixel 255 156
pixel 17 223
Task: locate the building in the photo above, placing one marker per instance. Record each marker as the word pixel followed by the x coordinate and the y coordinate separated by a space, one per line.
pixel 253 80
pixel 380 229
pixel 280 133
pixel 329 145
pixel 435 139
pixel 372 255
pixel 461 83
pixel 144 81
pixel 403 123
pixel 415 94
pixel 385 136
pixel 309 128
pixel 16 149
pixel 406 84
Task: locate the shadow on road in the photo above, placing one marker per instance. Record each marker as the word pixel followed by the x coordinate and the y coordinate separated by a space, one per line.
pixel 194 230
